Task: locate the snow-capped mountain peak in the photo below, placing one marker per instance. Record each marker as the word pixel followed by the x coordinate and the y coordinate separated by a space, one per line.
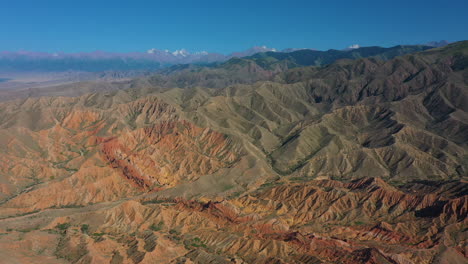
pixel 152 51
pixel 182 52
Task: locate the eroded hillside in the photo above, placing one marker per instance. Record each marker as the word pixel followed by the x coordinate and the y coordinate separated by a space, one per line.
pixel 362 161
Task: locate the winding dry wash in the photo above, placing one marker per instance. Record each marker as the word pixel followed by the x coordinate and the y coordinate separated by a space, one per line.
pixel 263 159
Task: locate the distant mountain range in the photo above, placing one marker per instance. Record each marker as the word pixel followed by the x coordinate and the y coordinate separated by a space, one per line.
pixel 263 66
pixel 238 69
pixel 438 44
pixel 104 61
pixel 152 59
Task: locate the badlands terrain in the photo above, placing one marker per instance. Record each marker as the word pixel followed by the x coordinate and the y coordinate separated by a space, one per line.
pixel 271 158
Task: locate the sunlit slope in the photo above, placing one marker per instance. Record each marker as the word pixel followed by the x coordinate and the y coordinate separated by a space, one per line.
pixel 360 161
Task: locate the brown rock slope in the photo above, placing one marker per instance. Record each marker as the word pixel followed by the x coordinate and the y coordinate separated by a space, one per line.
pixel 83 155
pixel 324 221
pixel 357 162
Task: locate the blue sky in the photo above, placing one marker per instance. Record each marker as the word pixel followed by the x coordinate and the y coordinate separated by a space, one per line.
pixel 224 25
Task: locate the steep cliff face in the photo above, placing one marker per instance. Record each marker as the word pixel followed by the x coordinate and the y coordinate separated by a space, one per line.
pixel 357 162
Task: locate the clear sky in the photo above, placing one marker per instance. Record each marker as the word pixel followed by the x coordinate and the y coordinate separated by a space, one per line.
pixel 225 25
